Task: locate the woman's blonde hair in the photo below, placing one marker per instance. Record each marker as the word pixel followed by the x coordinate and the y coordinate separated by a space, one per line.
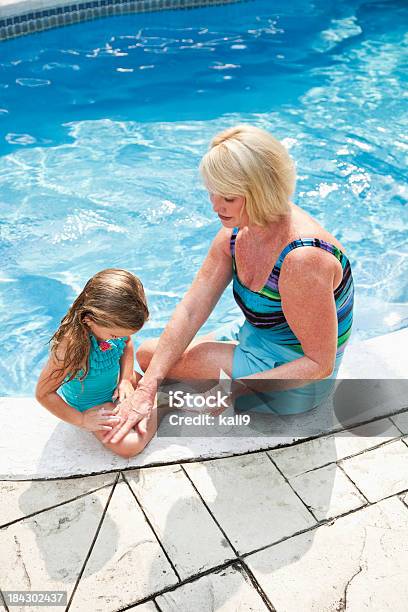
pixel 247 161
pixel 111 298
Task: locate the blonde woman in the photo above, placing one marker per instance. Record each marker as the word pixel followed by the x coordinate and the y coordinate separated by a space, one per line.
pixel 291 279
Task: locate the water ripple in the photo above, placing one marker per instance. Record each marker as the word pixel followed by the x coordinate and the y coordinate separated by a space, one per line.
pixel 104 172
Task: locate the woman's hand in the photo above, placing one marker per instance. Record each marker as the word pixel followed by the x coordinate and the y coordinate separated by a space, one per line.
pixel 123 390
pixel 133 411
pixel 99 418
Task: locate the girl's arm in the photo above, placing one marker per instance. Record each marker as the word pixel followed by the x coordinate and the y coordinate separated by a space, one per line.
pixel 125 387
pixel 127 361
pixel 46 395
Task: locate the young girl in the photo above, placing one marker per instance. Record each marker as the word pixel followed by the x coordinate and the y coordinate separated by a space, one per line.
pixel 91 359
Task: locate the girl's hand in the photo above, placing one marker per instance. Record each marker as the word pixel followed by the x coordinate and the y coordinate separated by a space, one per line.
pixel 100 418
pixel 123 390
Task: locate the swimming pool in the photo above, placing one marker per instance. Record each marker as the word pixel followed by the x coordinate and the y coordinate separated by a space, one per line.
pixel 103 124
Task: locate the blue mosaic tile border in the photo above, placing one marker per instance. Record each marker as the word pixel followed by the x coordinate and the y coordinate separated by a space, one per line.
pixel 44 19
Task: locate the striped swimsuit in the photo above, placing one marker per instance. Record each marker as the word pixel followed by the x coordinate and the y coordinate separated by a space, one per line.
pixel 265 338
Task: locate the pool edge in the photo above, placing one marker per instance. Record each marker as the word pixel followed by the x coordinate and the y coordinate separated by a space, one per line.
pixel 33 16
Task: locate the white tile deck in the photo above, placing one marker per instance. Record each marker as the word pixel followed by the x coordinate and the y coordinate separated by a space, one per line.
pixel 300 458
pixel 327 492
pixel 185 528
pixel 250 500
pixel 225 591
pixel 401 421
pixel 380 472
pixel 146 607
pixel 127 562
pixel 47 551
pixel 357 563
pixel 22 498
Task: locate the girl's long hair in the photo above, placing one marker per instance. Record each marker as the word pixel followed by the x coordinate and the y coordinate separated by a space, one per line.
pixel 111 298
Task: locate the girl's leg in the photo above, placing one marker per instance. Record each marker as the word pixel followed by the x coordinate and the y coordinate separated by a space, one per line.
pixel 202 359
pixel 134 442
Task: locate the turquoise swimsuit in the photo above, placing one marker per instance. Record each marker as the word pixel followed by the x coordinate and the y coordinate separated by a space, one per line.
pixel 266 341
pixel 102 378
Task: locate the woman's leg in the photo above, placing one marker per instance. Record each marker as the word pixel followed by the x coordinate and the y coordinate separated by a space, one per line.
pixel 202 359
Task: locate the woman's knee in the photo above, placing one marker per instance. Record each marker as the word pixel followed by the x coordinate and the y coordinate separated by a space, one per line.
pixel 145 353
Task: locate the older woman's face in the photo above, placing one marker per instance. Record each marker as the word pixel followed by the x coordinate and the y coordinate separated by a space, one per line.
pixel 230 209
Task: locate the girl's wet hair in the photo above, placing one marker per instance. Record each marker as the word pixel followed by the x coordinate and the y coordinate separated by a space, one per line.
pixel 111 298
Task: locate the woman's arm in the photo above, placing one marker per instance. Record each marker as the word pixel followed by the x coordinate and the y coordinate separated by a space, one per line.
pixel 306 289
pixel 193 310
pixel 190 314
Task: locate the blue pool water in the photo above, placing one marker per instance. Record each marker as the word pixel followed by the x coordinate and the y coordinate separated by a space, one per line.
pixel 103 124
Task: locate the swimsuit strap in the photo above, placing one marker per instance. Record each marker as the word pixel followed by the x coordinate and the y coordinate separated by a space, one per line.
pixel 232 241
pixel 316 242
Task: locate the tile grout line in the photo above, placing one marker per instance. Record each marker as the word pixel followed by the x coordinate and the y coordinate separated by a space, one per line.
pixel 210 513
pixel 67 501
pixel 366 450
pixel 169 589
pixel 92 543
pixel 257 586
pixel 395 425
pixel 241 559
pixel 294 491
pixel 3 601
pixel 268 448
pixel 65 478
pixel 252 578
pixel 322 523
pixel 352 482
pixel 224 456
pixel 151 527
pixel 404 503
